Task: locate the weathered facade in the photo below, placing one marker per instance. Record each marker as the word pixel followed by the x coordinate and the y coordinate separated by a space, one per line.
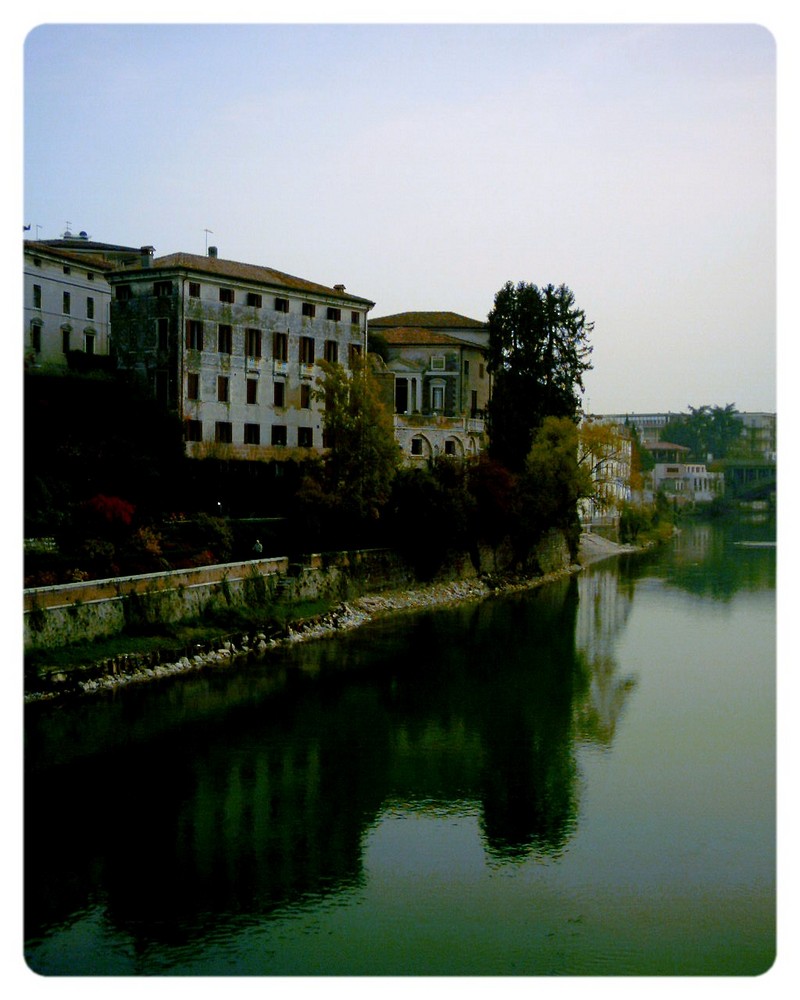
pixel 234 349
pixel 441 385
pixel 66 303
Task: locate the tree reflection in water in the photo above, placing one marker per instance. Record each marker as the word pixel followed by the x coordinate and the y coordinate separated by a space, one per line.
pixel 224 797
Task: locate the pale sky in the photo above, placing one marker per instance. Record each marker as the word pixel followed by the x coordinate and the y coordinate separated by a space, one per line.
pixel 424 165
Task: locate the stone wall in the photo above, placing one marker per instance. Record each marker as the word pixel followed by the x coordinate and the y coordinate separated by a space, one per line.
pixel 57 616
pixel 77 612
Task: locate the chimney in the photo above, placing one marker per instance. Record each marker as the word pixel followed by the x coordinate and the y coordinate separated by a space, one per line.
pixel 212 252
pixel 338 288
pixel 147 255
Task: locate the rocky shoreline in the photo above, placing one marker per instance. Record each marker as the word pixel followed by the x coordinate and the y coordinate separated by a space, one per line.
pixel 140 668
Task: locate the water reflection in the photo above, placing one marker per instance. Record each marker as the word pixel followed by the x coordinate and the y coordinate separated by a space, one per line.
pixel 710 561
pixel 606 599
pixel 229 796
pixel 216 802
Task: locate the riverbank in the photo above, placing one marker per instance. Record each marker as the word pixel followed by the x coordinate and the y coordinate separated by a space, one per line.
pixel 141 668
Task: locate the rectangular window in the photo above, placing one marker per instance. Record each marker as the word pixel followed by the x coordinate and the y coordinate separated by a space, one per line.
pixel 309 309
pixel 254 299
pixel 90 275
pixel 449 447
pixel 89 308
pixel 481 370
pixel 416 446
pixel 466 367
pixel 252 390
pixel 334 313
pixel 354 353
pixel 162 288
pixel 307 350
pixel 37 296
pixel 194 289
pixel 192 385
pixel 226 295
pixel 437 364
pixel 278 434
pixel 252 434
pixel 224 339
pixel 279 394
pixel 305 396
pixel 280 346
pixel 67 269
pixel 88 343
pixel 65 334
pixel 223 432
pixel 36 337
pixel 162 328
pixel 252 343
pixel 194 334
pixel 223 389
pixel 123 293
pixel 281 305
pixel 193 430
pixel 354 318
pixel 331 351
pixel 66 303
pixel 305 437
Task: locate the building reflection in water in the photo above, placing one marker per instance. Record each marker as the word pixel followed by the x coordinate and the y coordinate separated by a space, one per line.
pixel 229 796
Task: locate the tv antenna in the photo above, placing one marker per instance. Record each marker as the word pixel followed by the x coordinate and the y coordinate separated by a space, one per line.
pixel 208 232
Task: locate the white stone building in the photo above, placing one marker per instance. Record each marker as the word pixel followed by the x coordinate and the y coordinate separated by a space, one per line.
pixel 234 349
pixel 66 302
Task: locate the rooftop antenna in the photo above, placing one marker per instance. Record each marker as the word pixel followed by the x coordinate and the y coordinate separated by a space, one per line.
pixel 208 232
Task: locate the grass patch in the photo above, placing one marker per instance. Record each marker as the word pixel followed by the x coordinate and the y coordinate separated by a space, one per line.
pixel 215 624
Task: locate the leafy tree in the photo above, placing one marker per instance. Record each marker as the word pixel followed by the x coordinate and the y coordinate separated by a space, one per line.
pixel 492 488
pixel 362 455
pixel 603 451
pixel 706 430
pixel 550 486
pixel 431 514
pixel 538 353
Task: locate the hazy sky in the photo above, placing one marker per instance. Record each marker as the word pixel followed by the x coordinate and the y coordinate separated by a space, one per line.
pixel 424 166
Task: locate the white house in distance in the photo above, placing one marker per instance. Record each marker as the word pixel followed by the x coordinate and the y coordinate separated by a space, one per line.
pixel 441 385
pixel 66 305
pixel 67 298
pixel 234 348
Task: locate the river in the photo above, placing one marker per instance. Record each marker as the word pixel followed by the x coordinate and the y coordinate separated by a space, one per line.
pixel 577 780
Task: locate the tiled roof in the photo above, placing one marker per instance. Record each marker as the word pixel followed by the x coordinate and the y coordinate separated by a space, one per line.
pixel 408 335
pixel 89 260
pixel 428 320
pixel 664 446
pixel 251 272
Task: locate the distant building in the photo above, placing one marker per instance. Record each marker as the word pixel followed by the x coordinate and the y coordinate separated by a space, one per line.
pixel 691 482
pixel 441 384
pixel 760 432
pixel 234 348
pixel 66 303
pixel 609 460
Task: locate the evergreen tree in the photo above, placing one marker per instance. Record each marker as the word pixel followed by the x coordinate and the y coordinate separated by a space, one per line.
pixel 538 352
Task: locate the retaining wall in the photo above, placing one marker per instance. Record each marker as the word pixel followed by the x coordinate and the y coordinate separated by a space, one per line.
pixel 59 615
pixel 75 612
